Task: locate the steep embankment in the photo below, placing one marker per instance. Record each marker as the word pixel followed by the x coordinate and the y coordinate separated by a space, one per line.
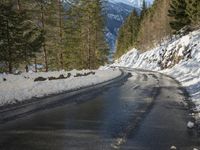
pixel 178 57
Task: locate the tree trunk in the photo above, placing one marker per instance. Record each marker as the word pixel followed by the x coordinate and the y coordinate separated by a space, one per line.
pixel 45 57
pixel 35 64
pixel 18 5
pixel 9 50
pixel 88 45
pixel 95 50
pixel 60 28
pixel 10 66
pixel 26 67
pixel 44 43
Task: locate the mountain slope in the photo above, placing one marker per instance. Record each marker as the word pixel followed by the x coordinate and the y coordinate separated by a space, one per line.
pixel 115 16
pixel 180 58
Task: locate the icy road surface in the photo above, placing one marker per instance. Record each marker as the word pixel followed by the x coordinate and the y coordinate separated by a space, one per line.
pixel 146 112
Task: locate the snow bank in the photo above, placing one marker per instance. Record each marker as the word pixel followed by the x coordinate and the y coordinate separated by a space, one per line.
pixel 14 88
pixel 179 58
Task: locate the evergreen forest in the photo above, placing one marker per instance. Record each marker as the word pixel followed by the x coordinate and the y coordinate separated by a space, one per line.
pixel 52 35
pixel 153 24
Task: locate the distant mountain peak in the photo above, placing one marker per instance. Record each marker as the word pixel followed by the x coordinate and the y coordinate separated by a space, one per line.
pixel 134 3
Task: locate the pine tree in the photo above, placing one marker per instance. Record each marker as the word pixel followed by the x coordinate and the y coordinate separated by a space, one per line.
pixel 132 29
pixel 32 39
pixel 46 35
pixel 42 6
pixel 120 42
pixel 99 45
pixel 60 24
pixel 7 53
pixel 154 26
pixel 32 33
pixel 179 15
pixel 85 41
pixel 193 11
pixel 128 33
pixel 50 18
pixel 144 8
pixel 73 52
pixel 19 37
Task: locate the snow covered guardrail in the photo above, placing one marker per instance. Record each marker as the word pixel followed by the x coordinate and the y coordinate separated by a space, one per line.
pixel 9 112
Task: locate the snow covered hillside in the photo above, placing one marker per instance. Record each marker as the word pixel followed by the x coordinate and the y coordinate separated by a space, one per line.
pixel 15 88
pixel 178 57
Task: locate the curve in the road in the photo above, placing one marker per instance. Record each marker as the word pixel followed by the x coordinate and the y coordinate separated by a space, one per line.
pixel 143 113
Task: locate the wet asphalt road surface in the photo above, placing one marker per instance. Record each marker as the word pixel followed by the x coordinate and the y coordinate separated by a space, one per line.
pixel 144 113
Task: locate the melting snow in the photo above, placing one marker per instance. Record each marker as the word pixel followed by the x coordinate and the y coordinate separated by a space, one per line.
pixel 14 88
pixel 181 55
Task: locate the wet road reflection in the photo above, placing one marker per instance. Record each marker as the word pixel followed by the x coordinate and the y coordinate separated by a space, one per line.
pixel 108 121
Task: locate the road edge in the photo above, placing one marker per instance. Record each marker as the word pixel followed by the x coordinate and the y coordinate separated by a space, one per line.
pixel 18 110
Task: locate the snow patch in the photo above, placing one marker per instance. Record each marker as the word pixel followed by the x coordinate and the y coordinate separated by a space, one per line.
pixel 15 88
pixel 190 125
pixel 178 57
